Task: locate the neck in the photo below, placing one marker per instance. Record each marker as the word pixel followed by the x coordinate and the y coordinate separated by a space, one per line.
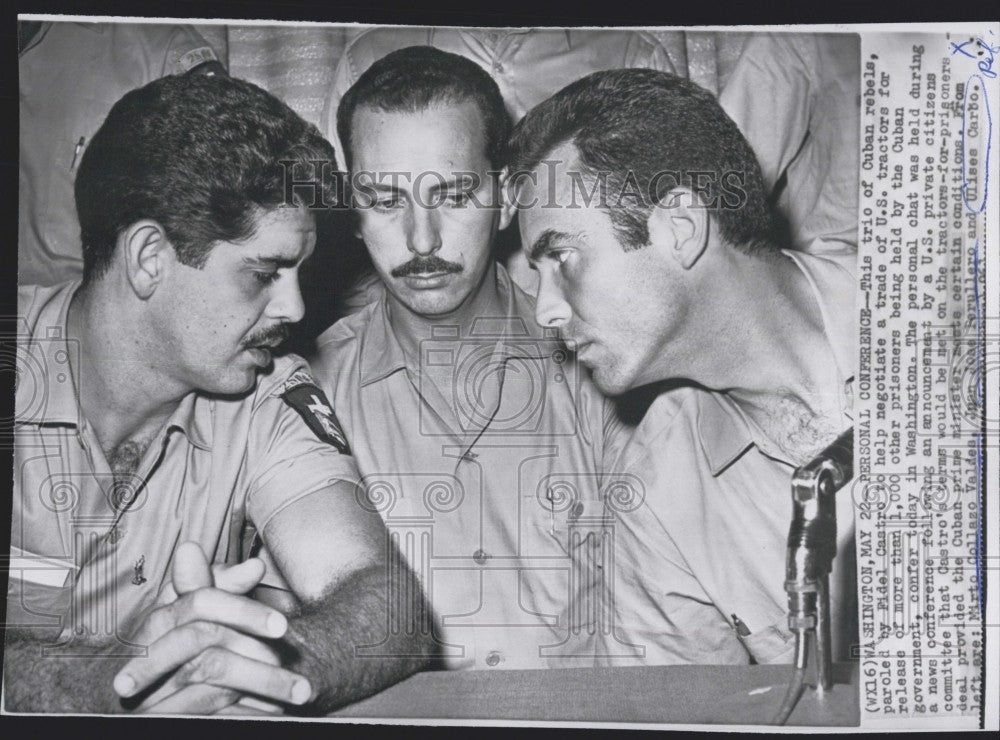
pixel 412 328
pixel 768 330
pixel 121 394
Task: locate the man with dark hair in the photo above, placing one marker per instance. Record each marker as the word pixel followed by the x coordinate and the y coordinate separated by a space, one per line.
pixel 156 434
pixel 643 211
pixel 477 439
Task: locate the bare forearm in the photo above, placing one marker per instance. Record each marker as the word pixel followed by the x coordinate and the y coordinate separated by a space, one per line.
pixel 35 682
pixel 366 635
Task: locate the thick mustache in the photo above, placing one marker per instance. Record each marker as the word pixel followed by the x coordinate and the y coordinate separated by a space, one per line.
pixel 425 265
pixel 273 335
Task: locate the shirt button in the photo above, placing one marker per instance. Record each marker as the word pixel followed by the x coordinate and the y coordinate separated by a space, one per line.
pixel 480 556
pixel 493 658
pixel 497 67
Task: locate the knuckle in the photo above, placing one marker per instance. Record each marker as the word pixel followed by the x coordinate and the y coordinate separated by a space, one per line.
pixel 211 665
pixel 206 633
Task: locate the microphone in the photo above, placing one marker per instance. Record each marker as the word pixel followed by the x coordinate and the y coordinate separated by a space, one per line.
pixel 812 545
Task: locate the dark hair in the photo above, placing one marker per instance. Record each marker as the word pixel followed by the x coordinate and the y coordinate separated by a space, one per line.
pixel 412 79
pixel 629 125
pixel 201 155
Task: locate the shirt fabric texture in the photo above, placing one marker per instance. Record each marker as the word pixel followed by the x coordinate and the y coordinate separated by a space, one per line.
pixel 492 486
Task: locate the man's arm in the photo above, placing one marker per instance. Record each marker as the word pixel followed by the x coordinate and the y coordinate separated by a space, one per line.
pixel 37 683
pixel 210 633
pixel 363 622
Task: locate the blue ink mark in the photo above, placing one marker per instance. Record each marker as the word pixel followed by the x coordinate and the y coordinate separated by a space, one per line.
pixel 979 436
pixel 984 57
pixel 989 144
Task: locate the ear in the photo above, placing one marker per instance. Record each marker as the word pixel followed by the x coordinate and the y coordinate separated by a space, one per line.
pixel 679 222
pixel 508 204
pixel 147 253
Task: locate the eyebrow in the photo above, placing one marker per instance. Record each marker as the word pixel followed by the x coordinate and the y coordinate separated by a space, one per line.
pixel 544 243
pixel 439 185
pixel 277 262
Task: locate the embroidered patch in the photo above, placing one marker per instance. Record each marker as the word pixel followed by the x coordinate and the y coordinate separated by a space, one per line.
pixel 301 393
pixel 194 58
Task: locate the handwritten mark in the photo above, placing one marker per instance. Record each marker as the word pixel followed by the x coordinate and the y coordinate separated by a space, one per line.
pixel 983 53
pixel 984 57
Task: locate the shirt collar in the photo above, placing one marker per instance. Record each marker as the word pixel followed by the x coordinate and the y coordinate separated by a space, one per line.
pixel 193 416
pixel 46 393
pixel 722 430
pixel 381 354
pixel 45 390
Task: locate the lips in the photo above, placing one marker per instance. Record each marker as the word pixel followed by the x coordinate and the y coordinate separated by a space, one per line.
pixel 427 281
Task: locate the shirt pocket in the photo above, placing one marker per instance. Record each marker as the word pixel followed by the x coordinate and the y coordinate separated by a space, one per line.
pixel 566 511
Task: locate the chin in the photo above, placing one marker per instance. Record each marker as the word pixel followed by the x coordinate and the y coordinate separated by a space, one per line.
pixel 610 381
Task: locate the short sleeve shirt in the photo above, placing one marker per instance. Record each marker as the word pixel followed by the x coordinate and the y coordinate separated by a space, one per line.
pixel 492 486
pixel 90 556
pixel 71 74
pixel 708 543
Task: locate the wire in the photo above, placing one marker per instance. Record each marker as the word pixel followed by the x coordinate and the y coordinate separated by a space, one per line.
pixel 798 680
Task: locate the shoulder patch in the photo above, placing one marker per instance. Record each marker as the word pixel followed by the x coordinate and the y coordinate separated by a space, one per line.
pixel 302 394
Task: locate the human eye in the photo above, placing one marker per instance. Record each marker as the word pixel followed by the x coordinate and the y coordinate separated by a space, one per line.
pixel 265 278
pixel 559 256
pixel 458 198
pixel 387 203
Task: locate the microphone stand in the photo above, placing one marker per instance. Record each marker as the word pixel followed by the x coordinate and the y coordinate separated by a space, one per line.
pixel 812 545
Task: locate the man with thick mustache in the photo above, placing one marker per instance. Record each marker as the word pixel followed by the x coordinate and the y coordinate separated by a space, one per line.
pixel 155 433
pixel 478 439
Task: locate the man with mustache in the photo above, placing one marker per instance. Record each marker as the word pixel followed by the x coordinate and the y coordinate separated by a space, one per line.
pixel 156 432
pixel 672 272
pixel 478 440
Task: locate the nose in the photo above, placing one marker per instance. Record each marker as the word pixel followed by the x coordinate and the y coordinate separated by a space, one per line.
pixel 286 303
pixel 551 308
pixel 423 234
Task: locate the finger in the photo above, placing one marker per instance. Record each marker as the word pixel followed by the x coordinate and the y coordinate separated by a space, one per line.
pixel 236 579
pixel 239 709
pixel 230 610
pixel 194 699
pixel 190 568
pixel 176 647
pixel 240 578
pixel 226 669
pixel 234 641
pixel 258 705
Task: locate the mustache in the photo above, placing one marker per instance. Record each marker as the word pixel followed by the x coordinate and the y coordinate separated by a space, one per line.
pixel 273 335
pixel 422 265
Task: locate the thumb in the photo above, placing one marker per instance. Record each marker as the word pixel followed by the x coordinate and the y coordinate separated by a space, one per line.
pixel 190 571
pixel 239 578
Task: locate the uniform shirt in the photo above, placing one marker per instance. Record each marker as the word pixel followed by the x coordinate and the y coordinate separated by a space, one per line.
pixel 95 555
pixel 795 98
pixel 71 74
pixel 528 65
pixel 492 485
pixel 710 539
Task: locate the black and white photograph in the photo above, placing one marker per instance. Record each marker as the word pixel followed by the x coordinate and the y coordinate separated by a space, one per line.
pixel 618 376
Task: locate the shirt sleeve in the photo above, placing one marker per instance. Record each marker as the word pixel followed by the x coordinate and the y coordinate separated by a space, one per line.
pixel 289 461
pixel 769 97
